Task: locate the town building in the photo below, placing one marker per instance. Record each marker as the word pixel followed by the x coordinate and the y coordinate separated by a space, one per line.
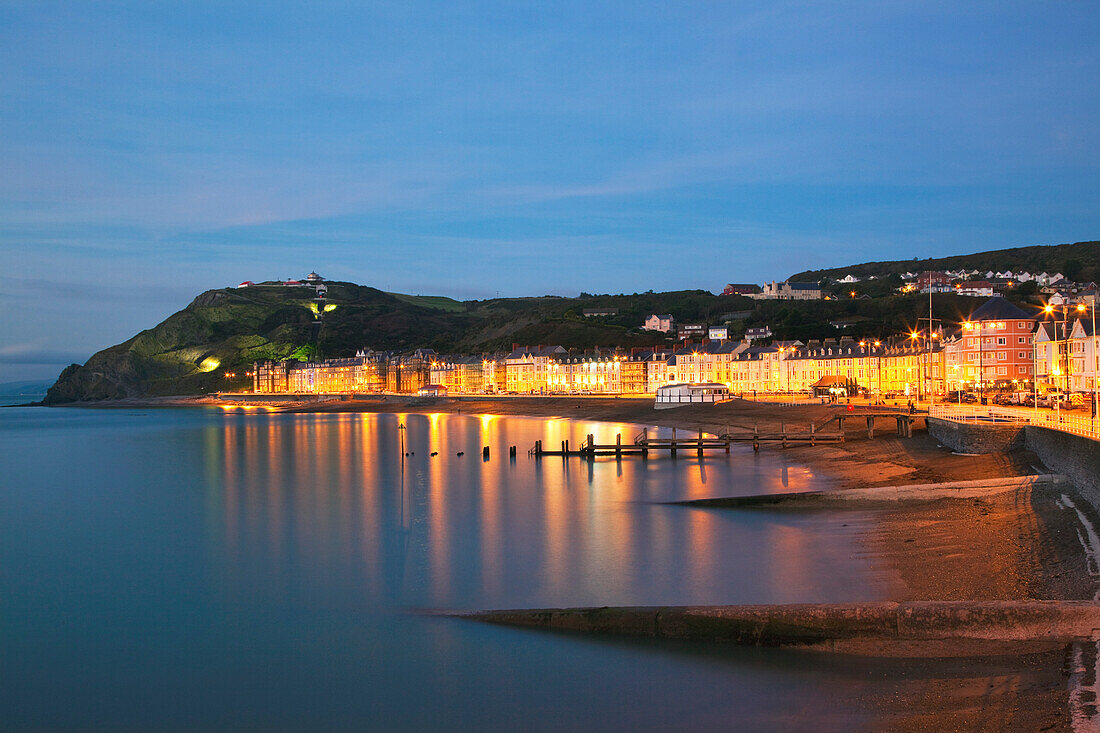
pixel 992 349
pixel 663 323
pixel 600 312
pixel 748 289
pixel 789 291
pixel 975 288
pixel 690 331
pixel 934 282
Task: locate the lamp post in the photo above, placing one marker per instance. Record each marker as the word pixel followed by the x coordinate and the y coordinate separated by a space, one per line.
pixel 1091 307
pixel 1049 310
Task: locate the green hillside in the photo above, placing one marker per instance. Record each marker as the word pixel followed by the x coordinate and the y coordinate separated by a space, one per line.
pixel 1080 261
pixel 225 331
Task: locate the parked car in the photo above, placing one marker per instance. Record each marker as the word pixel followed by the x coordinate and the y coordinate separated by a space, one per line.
pixel 970 398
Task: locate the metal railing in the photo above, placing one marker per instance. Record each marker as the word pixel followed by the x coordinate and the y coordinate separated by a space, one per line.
pixel 1083 425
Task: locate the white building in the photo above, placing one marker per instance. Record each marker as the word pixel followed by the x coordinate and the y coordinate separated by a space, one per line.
pixel 718 333
pixel 677 395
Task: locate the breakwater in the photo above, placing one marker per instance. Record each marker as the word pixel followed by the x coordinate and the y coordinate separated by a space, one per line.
pixel 962 626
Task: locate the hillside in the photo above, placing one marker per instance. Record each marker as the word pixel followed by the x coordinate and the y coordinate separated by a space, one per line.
pixel 222 332
pixel 1080 261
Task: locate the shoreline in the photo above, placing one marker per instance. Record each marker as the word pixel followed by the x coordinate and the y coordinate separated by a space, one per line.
pixel 1019 545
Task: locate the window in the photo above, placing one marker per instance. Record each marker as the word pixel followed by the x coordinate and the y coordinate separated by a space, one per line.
pixel 1002 370
pixel 1001 341
pixel 1023 354
pixel 1023 324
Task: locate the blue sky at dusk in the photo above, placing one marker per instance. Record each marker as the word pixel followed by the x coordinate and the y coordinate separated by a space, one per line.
pixel 150 151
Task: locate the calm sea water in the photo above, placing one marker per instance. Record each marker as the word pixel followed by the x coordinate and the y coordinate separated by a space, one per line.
pixel 201 569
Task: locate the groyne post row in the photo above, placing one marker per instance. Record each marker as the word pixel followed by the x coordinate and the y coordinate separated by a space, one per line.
pixel 699 443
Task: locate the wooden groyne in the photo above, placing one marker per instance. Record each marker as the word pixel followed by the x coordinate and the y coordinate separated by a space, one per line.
pixel 643 444
pixel 880 494
pixel 947 625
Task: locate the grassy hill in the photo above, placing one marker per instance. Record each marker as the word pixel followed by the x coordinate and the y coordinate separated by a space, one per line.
pixel 225 331
pixel 1079 261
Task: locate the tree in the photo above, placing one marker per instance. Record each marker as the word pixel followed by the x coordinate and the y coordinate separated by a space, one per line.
pixel 1073 268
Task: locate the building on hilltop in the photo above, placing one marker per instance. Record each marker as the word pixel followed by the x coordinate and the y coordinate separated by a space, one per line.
pixel 789 291
pixel 741 289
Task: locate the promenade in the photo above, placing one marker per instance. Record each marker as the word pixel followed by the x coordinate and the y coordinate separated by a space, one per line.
pixel 1077 422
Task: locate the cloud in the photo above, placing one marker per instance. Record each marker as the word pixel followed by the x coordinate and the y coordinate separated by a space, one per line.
pixel 34 353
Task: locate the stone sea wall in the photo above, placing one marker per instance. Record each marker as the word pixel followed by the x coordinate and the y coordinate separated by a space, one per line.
pixel 1064 453
pixel 1076 457
pixel 976 437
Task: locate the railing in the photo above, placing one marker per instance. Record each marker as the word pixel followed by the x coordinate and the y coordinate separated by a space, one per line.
pixel 1082 425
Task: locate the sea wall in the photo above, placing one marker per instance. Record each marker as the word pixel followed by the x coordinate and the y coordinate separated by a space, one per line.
pixel 1072 455
pixel 976 437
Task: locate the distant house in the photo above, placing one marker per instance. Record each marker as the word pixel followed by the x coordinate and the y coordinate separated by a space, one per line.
pixel 690 330
pixel 848 279
pixel 600 312
pixel 741 289
pixel 663 323
pixel 980 288
pixel 762 332
pixel 246 284
pixel 842 324
pixel 718 333
pixel 934 282
pixel 789 291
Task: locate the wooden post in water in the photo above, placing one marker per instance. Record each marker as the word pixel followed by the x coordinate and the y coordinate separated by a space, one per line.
pixel 699 449
pixel 591 447
pixel 755 438
pixel 485 453
pixel 783 429
pixel 619 445
pixel 812 437
pixel 673 444
pixel 870 426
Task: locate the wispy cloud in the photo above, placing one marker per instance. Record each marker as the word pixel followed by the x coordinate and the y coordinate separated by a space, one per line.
pixel 36 353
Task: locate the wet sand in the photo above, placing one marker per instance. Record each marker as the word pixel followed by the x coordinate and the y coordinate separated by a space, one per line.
pixel 1019 545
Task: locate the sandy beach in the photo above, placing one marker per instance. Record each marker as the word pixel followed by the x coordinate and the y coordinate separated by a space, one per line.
pixel 1019 545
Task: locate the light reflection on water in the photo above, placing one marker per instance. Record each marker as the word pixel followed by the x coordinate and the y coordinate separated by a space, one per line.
pixel 454 531
pixel 233 570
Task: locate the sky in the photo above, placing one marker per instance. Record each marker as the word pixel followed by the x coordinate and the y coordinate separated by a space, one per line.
pixel 153 150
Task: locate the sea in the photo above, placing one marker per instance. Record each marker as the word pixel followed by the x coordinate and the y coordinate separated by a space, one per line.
pixel 210 569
